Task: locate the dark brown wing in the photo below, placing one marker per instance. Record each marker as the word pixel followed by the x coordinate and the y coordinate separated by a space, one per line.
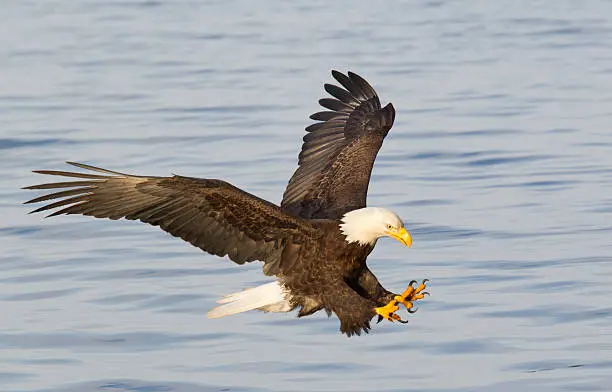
pixel 339 151
pixel 211 214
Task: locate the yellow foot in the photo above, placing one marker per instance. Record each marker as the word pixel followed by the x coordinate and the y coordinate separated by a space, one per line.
pixel 412 294
pixel 387 312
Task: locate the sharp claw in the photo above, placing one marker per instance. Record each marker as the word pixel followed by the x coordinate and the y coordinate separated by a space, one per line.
pixel 411 294
pixel 425 281
pixel 425 293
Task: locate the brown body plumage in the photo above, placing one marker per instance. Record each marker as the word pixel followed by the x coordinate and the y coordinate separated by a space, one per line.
pixel 300 242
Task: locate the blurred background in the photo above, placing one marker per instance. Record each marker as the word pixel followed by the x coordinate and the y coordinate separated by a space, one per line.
pixel 499 161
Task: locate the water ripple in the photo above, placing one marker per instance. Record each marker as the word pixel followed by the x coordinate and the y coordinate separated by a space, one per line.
pixel 91 342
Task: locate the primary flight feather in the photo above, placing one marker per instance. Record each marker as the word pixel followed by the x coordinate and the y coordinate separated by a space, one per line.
pixel 315 243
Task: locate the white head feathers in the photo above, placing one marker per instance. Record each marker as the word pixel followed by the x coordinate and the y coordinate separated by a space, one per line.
pixel 366 225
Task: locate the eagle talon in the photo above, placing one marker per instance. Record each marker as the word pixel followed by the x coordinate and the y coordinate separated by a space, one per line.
pixel 388 311
pixel 412 294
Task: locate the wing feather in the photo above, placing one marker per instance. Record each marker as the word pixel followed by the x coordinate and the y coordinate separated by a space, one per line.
pixel 326 116
pixel 335 105
pixel 341 94
pixel 338 153
pixel 210 214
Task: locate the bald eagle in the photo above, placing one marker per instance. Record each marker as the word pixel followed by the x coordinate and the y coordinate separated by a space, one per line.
pixel 315 243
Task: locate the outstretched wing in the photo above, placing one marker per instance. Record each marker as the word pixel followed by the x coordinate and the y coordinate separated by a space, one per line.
pixel 213 215
pixel 339 151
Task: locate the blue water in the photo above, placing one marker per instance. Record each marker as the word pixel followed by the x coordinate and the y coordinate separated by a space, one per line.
pixel 499 161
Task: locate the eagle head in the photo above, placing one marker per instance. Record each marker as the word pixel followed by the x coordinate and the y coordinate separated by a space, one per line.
pixel 368 224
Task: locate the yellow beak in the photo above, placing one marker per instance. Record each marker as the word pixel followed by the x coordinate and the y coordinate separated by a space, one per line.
pixel 402 236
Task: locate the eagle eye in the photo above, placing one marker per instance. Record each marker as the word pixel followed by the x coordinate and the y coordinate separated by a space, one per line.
pixel 389 227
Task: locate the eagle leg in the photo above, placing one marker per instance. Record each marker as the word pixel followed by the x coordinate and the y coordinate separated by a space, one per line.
pixel 387 312
pixel 412 294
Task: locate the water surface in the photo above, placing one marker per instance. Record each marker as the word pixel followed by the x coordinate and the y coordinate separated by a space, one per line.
pixel 499 161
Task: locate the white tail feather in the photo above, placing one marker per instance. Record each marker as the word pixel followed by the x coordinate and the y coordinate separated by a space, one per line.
pixel 269 297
